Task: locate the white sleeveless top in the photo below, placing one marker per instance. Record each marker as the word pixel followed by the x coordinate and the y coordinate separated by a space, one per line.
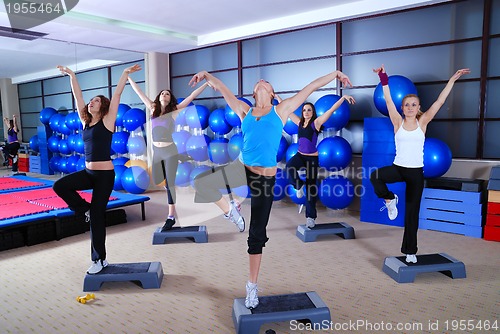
pixel 409 147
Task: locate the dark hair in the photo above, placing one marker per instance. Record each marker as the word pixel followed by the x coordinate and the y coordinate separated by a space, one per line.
pixel 419 113
pixel 314 115
pixel 87 117
pixel 11 124
pixel 171 106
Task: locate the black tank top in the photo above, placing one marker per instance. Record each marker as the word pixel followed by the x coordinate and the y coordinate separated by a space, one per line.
pixel 97 142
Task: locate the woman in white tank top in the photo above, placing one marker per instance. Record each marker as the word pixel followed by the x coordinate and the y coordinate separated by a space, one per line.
pixel 409 136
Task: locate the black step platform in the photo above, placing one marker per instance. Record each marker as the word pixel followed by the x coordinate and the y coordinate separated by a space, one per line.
pixel 149 274
pixel 306 306
pixel 402 272
pixel 311 234
pixel 196 233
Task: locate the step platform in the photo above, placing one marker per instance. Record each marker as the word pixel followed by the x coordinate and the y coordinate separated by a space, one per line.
pixel 305 306
pixel 196 233
pixel 402 272
pixel 149 274
pixel 311 234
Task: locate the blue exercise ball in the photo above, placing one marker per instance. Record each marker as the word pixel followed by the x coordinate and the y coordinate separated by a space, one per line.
pixel 217 122
pixel 72 121
pixel 180 139
pixel 197 171
pixel 182 176
pixel 197 116
pixel 81 164
pixel 197 147
pixel 54 122
pixel 231 117
pixel 71 142
pixel 134 119
pixel 63 146
pixel 334 153
pixel 292 193
pixel 339 117
pixel 119 142
pixel 122 109
pixel 34 143
pixel 72 163
pixel 218 151
pixel 234 146
pixel 46 114
pixel 119 169
pixel 180 120
pixel 63 128
pixel 400 87
pixel 437 157
pixel 290 127
pixel 79 146
pixel 279 189
pixel 282 149
pixel 136 145
pixel 291 151
pixel 54 163
pixel 336 192
pixel 63 165
pixel 135 180
pixel 120 161
pixel 53 143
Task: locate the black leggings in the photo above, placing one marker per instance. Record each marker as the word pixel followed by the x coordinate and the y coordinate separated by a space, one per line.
pixel 208 187
pixel 102 182
pixel 165 163
pixel 310 163
pixel 414 178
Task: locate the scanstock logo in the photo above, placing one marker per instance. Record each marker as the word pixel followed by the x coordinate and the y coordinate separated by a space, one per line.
pixel 26 14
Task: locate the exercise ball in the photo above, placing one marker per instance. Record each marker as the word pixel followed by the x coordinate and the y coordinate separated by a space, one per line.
pixel 400 86
pixel 197 147
pixel 136 145
pixel 72 163
pixel 217 122
pixel 46 114
pixel 336 192
pixel 34 143
pixel 282 149
pixel 79 145
pixel 182 176
pixel 279 189
pixel 291 151
pixel 53 143
pixel 180 139
pixel 197 116
pixel 334 153
pixel 292 193
pixel 437 157
pixel 63 165
pixel 119 169
pixel 119 142
pixel 197 171
pixel 71 121
pixel 81 164
pixel 54 163
pixel 120 161
pixel 218 151
pixel 122 109
pixel 180 120
pixel 63 146
pixel 63 128
pixel 71 142
pixel 234 146
pixel 133 119
pixel 135 180
pixel 54 122
pixel 339 117
pixel 290 127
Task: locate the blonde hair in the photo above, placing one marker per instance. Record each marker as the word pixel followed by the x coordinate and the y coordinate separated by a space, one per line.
pixel 420 112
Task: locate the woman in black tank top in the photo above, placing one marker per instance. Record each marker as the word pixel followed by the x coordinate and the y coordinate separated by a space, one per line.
pixel 98 118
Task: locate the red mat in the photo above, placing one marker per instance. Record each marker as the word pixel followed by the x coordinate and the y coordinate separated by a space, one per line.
pixel 8 199
pixel 12 183
pixel 14 210
pixel 35 194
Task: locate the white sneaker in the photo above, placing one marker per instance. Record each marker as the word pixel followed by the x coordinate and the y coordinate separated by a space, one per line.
pixel 87 216
pixel 97 266
pixel 300 192
pixel 252 300
pixel 14 159
pixel 391 206
pixel 310 222
pixel 235 217
pixel 411 258
pixel 300 208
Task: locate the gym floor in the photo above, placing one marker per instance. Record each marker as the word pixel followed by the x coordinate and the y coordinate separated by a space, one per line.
pixel 40 283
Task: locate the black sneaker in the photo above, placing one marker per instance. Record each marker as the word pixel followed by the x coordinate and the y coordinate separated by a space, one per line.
pixel 168 224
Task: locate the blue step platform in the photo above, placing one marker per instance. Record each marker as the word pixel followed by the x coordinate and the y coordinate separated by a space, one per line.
pixel 149 274
pixel 311 234
pixel 402 272
pixel 298 306
pixel 197 233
